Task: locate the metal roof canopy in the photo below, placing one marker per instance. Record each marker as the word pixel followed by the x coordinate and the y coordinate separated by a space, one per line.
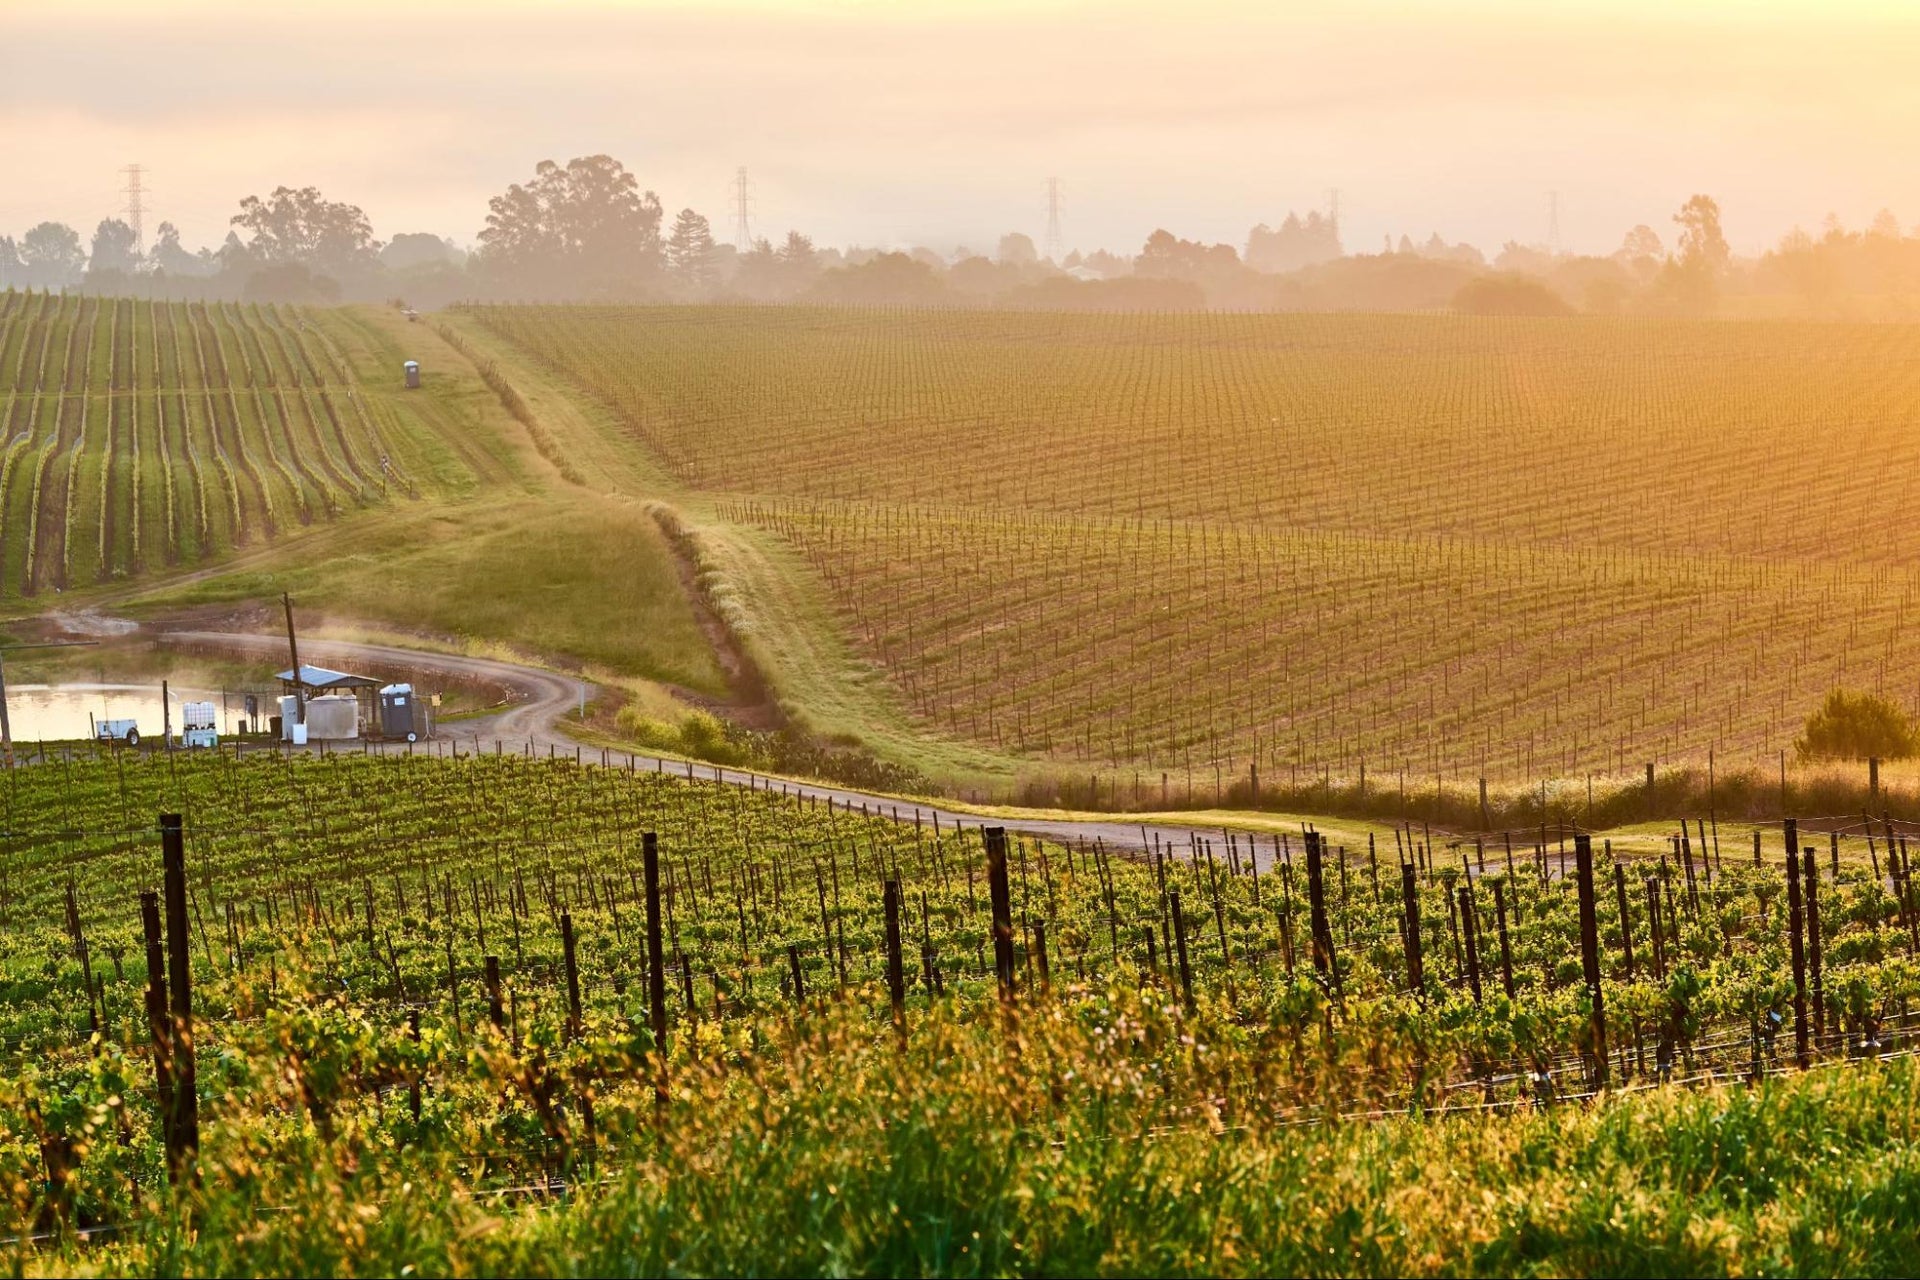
pixel 325 678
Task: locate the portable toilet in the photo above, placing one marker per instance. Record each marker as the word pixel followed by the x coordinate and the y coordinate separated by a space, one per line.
pixel 404 713
pixel 412 370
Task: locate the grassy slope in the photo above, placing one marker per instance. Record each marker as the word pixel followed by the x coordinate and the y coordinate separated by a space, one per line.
pixel 500 553
pixel 784 618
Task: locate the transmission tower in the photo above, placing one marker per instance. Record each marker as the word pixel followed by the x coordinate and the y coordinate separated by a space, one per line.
pixel 1553 223
pixel 1054 248
pixel 136 210
pixel 742 208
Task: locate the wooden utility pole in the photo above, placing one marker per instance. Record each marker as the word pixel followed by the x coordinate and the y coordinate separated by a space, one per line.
pixel 293 649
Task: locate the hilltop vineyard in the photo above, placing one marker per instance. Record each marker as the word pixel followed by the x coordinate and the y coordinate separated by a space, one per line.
pixel 494 971
pixel 1200 545
pixel 141 435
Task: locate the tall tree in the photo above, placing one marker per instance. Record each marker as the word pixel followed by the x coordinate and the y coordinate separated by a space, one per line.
pixel 51 256
pixel 10 273
pixel 690 252
pixel 584 230
pixel 168 255
pixel 1703 255
pixel 302 226
pixel 114 249
pixel 1703 247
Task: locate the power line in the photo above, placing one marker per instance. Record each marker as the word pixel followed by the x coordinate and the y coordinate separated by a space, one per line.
pixel 136 209
pixel 1054 247
pixel 742 205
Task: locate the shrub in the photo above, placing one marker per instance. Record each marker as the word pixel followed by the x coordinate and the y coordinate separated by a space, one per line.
pixel 1854 725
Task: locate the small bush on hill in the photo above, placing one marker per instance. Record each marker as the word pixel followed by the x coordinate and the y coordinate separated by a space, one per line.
pixel 1854 725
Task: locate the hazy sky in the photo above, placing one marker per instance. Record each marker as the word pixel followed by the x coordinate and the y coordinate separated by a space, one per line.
pixel 938 122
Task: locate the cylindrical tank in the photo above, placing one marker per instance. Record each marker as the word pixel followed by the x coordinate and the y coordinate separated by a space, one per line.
pixel 333 717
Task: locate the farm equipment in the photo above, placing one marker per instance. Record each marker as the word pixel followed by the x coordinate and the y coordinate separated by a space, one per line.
pixel 199 725
pixel 125 732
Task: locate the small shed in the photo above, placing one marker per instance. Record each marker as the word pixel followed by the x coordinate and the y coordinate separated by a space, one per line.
pixel 315 681
pixel 412 369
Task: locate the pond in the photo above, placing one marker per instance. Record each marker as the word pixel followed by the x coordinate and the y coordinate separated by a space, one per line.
pixel 41 712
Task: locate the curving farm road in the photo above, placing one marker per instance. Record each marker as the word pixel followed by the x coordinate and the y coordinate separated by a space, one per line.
pixel 541 699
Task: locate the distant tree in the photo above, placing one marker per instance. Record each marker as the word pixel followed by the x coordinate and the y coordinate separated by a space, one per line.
pixel 115 252
pixel 294 282
pixel 1702 244
pixel 1108 266
pixel 1508 294
pixel 1703 254
pixel 1855 725
pixel 1016 250
pixel 1526 259
pixel 51 257
pixel 10 265
pixel 798 252
pixel 233 256
pixel 886 279
pixel 981 277
pixel 1885 225
pixel 584 230
pixel 414 249
pixel 1641 242
pixel 1164 254
pixel 300 225
pixel 169 256
pixel 1298 243
pixel 690 252
pixel 757 273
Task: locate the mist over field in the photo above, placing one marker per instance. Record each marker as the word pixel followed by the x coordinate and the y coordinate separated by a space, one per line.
pixel 872 638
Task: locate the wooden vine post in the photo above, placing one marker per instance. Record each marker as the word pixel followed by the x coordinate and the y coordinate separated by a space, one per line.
pixel 1410 906
pixel 157 1020
pixel 896 970
pixel 656 959
pixel 1590 955
pixel 183 1129
pixel 1001 897
pixel 1798 951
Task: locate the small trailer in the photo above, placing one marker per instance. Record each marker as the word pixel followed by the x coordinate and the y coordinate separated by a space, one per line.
pixel 125 732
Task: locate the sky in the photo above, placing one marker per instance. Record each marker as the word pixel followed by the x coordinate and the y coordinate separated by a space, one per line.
pixel 939 123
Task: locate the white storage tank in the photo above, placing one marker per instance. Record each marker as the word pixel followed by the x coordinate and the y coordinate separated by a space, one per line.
pixel 333 716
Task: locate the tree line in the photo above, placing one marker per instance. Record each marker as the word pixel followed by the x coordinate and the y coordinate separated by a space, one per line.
pixel 587 231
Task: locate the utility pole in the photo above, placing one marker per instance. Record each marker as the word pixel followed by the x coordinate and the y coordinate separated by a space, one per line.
pixel 1054 249
pixel 742 204
pixel 293 648
pixel 1553 223
pixel 136 210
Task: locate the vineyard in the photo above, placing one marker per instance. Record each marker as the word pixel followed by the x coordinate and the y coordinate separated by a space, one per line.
pixel 1211 544
pixel 397 1003
pixel 143 435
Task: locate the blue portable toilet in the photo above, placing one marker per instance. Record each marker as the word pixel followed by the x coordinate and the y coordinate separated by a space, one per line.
pixel 412 368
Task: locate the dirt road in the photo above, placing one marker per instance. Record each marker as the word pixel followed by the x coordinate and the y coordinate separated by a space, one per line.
pixel 540 700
